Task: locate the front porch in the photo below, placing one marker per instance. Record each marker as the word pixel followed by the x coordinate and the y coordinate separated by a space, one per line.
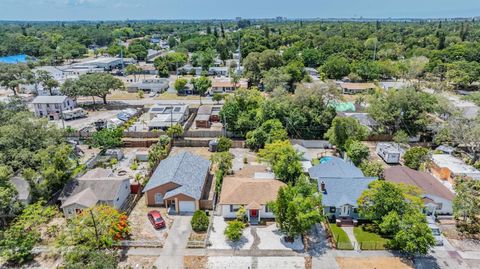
pixel 253 213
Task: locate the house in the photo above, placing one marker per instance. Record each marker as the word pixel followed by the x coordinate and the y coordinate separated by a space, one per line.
pixel 363 118
pixel 354 88
pixel 163 116
pixel 218 71
pixel 447 167
pixel 341 184
pixel 23 189
pixel 106 63
pixel 97 186
pixel 157 85
pixel 389 152
pixel 306 158
pixel 52 106
pixel 399 84
pixel 251 193
pixel 179 183
pixel 437 198
pixel 225 84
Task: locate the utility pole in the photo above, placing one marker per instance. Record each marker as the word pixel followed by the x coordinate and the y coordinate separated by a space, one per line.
pixel 95 227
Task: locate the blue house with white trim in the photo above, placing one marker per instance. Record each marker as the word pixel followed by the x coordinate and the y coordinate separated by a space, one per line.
pixel 341 183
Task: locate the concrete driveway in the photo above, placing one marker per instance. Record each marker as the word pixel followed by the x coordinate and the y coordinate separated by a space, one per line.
pixel 173 251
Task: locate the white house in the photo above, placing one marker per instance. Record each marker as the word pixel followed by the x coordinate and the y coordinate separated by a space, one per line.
pixel 98 186
pixel 252 194
pixel 52 106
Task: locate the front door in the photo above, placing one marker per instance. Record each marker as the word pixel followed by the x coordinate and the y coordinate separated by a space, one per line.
pixel 345 210
pixel 253 213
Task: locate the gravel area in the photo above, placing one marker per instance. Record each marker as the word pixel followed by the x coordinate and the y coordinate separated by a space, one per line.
pixel 272 238
pixel 219 241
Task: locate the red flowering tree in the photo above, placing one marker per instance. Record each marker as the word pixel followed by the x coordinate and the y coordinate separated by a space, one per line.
pixel 96 228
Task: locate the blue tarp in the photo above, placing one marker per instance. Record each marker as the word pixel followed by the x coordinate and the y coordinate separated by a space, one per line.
pixel 14 59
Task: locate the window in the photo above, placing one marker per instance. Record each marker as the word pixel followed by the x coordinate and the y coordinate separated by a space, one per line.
pixel 234 208
pixel 355 210
pixel 267 210
pixel 118 198
pixel 332 209
pixel 158 198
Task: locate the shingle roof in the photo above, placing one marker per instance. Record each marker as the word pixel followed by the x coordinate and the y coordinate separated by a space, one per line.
pixel 55 99
pixel 302 150
pixel 335 168
pixel 245 191
pixel 185 169
pixel 95 185
pixel 86 198
pixel 341 191
pixel 426 182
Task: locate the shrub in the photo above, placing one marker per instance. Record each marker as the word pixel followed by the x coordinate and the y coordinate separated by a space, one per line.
pixel 242 214
pixel 372 168
pixel 218 180
pixel 234 230
pixel 357 152
pixel 224 144
pixel 415 157
pixel 134 166
pixel 199 221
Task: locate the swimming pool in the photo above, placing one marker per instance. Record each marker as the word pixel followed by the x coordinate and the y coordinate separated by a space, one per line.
pixel 325 159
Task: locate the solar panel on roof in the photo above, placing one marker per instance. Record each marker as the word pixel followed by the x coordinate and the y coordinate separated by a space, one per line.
pixel 177 109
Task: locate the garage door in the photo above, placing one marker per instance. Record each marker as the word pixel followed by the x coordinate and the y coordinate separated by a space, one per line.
pixel 187 206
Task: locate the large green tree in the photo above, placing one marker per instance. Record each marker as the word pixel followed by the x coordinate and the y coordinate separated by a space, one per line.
pixel 12 75
pixel 297 208
pixel 283 159
pixel 344 129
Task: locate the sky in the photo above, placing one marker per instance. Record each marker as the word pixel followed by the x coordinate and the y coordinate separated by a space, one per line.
pixel 229 9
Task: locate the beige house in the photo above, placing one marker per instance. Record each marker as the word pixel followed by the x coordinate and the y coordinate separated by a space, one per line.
pixel 253 194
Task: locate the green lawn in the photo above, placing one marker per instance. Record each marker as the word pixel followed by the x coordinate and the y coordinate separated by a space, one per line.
pixel 340 237
pixel 368 240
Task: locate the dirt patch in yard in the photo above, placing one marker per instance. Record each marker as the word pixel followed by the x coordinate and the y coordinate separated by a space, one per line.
pixel 372 263
pixel 131 261
pixel 141 228
pixel 201 151
pixel 197 262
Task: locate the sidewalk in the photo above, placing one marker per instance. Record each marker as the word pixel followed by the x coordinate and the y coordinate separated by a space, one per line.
pixel 351 236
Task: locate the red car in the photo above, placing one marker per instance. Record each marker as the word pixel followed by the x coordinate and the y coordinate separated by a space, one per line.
pixel 156 219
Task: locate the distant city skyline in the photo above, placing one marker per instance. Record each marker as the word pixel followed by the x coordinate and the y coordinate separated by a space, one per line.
pixel 68 10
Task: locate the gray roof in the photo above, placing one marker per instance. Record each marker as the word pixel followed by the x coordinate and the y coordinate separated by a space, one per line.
pixel 22 186
pixel 335 168
pixel 363 118
pixel 49 99
pixel 341 191
pixel 303 151
pixel 87 191
pixel 187 170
